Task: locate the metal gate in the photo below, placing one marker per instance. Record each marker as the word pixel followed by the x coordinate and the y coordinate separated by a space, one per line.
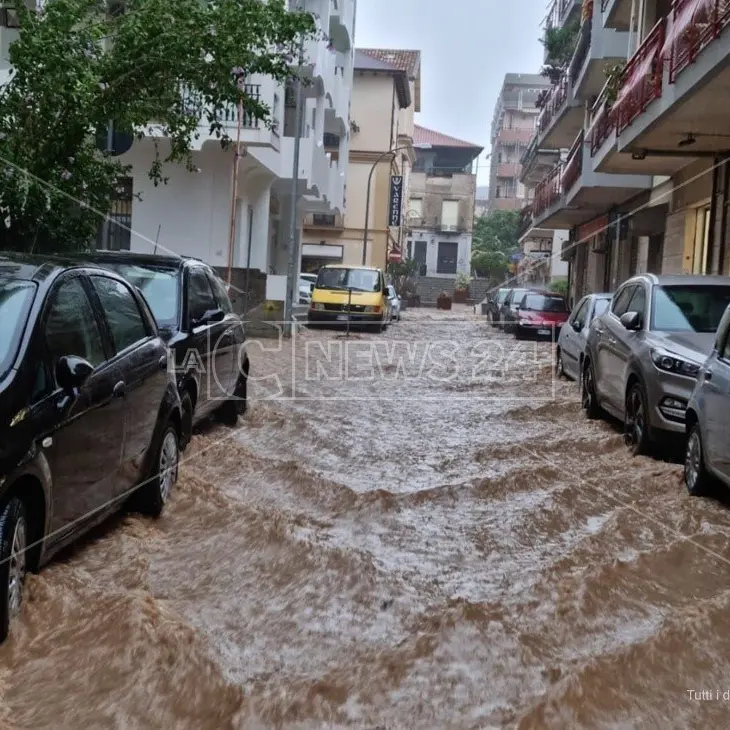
pixel 119 230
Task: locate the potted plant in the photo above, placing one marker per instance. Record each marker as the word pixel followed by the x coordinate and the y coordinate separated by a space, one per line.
pixel 443 301
pixel 461 288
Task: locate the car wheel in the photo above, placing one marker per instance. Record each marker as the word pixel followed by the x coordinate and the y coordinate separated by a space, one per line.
pixel 559 368
pixel 13 561
pixel 636 428
pixel 696 476
pixel 589 400
pixel 186 426
pixel 229 412
pixel 156 489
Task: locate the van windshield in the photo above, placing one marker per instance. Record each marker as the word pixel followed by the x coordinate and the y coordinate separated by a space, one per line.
pixel 15 300
pixel 367 280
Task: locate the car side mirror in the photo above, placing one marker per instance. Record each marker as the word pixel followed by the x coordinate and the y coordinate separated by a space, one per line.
pixel 631 321
pixel 577 326
pixel 72 372
pixel 209 316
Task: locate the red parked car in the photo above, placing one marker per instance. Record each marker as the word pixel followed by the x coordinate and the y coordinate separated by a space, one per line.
pixel 541 314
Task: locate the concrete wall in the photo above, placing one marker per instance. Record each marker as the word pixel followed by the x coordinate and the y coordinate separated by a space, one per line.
pixel 433 190
pixel 673 258
pixel 432 239
pixel 373 98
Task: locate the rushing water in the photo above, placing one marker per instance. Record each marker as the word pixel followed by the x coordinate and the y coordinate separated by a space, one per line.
pixel 409 530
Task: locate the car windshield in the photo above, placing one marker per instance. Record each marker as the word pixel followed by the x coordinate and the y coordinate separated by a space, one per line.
pixel 689 308
pixel 544 303
pixel 502 295
pixel 601 307
pixel 15 300
pixel 160 288
pixel 517 296
pixel 355 279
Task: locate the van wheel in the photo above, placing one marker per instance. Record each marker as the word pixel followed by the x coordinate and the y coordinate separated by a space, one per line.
pixel 13 561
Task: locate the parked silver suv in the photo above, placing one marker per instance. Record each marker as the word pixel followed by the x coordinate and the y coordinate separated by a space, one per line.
pixel 643 355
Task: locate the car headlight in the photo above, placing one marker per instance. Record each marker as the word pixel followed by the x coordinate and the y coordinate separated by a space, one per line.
pixel 317 305
pixel 524 322
pixel 670 363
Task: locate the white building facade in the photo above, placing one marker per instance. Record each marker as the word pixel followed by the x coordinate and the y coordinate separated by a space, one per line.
pixel 191 214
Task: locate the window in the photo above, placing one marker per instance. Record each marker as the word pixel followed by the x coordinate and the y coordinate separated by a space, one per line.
pixel 543 303
pixel 221 294
pixel 323 219
pixel 71 327
pixel 701 242
pixel 15 300
pixel 122 313
pixel 446 262
pixel 689 308
pixel 621 302
pixel 415 208
pixel 118 232
pixel 600 307
pixel 160 288
pixel 200 295
pixel 638 302
pixel 579 314
pixel 450 213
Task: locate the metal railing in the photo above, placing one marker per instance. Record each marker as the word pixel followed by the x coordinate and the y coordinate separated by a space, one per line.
pixel 194 104
pixel 526 218
pixel 574 164
pixel 549 190
pixel 641 80
pixel 694 28
pixel 582 49
pixel 603 121
pixel 556 98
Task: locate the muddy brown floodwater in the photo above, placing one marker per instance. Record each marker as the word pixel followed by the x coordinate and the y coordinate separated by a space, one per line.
pixel 410 530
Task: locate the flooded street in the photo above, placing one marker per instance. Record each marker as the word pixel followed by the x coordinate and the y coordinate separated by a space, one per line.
pixel 410 530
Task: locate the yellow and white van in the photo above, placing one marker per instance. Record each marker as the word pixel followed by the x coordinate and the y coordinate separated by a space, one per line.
pixel 357 293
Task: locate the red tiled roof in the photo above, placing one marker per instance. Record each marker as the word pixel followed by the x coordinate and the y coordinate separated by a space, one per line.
pixel 429 136
pixel 407 61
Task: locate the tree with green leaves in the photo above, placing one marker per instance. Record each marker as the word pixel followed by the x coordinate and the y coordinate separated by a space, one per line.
pixel 76 64
pixel 494 240
pixel 560 43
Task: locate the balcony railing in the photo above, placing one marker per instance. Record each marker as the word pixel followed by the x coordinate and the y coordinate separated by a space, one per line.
pixel 603 121
pixel 580 55
pixel 694 25
pixel 574 164
pixel 194 104
pixel 508 169
pixel 549 190
pixel 556 98
pixel 641 80
pixel 526 218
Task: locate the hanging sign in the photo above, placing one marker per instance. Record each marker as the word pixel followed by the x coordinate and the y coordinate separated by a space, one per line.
pixel 396 200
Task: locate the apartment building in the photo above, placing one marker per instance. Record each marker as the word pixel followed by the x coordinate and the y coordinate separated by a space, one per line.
pixel 643 185
pixel 191 214
pixel 515 116
pixel 441 203
pixel 482 202
pixel 386 93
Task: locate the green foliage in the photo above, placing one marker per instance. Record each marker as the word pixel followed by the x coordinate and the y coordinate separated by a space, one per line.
pixel 75 66
pixel 559 45
pixel 495 239
pixel 613 73
pixel 402 276
pixel 559 286
pixel 462 281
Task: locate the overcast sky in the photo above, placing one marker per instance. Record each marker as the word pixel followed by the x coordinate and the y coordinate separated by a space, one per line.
pixel 466 47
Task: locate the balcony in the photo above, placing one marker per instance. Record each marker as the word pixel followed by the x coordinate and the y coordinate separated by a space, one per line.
pixel 561 117
pixel 324 221
pixel 562 12
pixel 514 136
pixel 573 192
pixel 508 169
pixel 687 111
pixel 254 132
pixel 342 18
pixel 616 14
pixel 597 48
pixel 535 163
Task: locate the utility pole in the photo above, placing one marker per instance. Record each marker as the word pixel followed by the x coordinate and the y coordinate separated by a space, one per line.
pixel 234 183
pixel 109 148
pixel 291 273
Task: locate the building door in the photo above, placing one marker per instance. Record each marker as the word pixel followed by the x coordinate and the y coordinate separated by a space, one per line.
pixel 419 255
pixel 448 255
pixel 655 254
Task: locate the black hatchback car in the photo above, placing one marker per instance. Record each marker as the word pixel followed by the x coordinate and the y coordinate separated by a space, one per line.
pixel 89 414
pixel 194 313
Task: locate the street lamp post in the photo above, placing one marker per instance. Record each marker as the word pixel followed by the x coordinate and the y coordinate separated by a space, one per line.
pixel 367 198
